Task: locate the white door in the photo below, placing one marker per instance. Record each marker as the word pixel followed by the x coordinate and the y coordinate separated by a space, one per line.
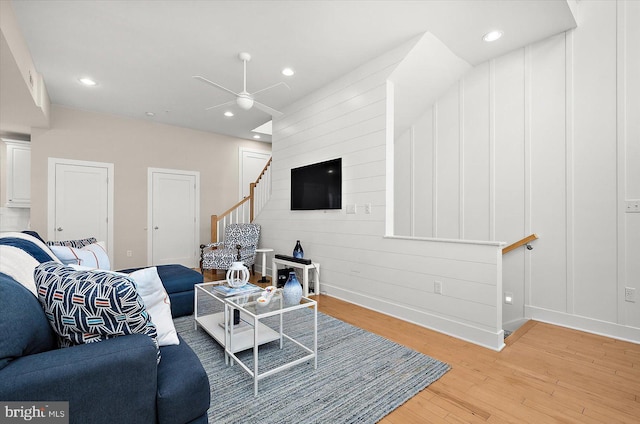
pixel 80 201
pixel 173 217
pixel 252 162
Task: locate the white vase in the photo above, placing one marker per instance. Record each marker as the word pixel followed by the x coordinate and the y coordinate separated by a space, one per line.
pixel 237 275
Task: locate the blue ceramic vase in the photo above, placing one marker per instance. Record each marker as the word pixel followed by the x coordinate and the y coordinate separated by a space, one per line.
pixel 297 251
pixel 292 291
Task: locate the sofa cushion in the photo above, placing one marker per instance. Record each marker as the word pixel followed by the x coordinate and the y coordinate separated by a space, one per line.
pixel 90 306
pixel 178 278
pixel 24 329
pixel 157 302
pixel 181 381
pixel 92 255
pixel 175 278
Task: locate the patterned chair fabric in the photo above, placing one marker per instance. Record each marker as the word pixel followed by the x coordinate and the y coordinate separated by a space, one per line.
pixel 222 254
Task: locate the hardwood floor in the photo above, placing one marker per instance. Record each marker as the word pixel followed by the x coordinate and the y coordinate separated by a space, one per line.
pixel 546 374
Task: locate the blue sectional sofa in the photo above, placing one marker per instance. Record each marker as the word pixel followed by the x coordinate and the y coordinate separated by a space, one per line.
pixel 117 380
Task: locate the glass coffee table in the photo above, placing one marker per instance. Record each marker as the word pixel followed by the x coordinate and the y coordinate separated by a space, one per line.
pixel 253 314
pixel 209 312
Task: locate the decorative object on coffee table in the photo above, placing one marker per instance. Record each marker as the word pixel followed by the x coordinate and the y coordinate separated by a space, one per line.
pixel 297 251
pixel 238 274
pixel 292 291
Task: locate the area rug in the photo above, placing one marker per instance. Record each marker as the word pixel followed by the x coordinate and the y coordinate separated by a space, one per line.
pixel 361 377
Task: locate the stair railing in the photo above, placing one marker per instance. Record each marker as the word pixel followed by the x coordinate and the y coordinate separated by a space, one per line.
pixel 522 242
pixel 246 209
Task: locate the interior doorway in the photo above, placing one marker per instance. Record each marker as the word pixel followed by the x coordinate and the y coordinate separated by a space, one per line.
pixel 80 201
pixel 252 162
pixel 173 219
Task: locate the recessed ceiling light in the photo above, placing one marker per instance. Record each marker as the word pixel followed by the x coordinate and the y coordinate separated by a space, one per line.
pixel 228 114
pixel 88 81
pixel 287 72
pixel 256 136
pixel 151 114
pixel 492 36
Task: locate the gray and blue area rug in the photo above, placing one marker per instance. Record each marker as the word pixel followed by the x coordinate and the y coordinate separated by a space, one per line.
pixel 361 377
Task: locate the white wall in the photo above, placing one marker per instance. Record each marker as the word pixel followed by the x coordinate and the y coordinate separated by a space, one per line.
pixel 393 275
pixel 543 140
pixel 134 145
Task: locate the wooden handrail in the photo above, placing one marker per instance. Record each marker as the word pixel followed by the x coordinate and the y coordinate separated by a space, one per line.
pixel 250 198
pixel 519 243
pixel 252 187
pixel 216 218
pixel 264 170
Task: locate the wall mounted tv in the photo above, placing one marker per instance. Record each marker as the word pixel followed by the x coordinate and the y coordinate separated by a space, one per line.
pixel 317 186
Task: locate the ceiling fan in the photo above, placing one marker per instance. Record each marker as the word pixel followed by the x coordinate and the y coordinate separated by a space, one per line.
pixel 244 99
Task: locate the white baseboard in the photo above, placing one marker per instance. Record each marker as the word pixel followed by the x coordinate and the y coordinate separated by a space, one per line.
pixel 588 325
pixel 479 336
pixel 514 324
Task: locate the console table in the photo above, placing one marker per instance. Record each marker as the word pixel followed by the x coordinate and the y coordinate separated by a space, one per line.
pixel 305 274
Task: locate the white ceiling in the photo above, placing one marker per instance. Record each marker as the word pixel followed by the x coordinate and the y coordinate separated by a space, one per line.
pixel 143 53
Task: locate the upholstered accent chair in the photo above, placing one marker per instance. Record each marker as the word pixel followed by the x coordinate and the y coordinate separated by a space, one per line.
pixel 239 239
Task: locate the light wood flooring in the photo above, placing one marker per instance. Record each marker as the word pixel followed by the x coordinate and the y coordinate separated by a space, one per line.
pixel 546 374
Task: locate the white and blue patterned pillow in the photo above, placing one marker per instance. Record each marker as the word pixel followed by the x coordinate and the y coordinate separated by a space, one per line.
pixel 74 243
pixel 91 306
pixel 92 255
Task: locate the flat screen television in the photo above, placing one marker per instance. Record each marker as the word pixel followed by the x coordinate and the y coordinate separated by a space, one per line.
pixel 317 186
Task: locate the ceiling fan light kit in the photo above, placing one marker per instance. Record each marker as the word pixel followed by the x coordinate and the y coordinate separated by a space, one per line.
pixel 244 99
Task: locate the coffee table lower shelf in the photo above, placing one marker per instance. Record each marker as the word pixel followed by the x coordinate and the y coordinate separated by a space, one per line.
pixel 213 324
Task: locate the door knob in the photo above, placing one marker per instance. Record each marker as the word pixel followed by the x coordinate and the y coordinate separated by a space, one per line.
pixel 155 228
pixel 59 229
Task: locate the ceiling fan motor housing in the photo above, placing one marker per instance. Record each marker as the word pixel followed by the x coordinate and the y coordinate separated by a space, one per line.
pixel 244 101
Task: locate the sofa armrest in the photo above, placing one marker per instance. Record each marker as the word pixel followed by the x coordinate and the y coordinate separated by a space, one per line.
pixel 105 382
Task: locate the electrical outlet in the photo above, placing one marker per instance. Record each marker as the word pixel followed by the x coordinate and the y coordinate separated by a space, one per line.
pixel 629 294
pixel 632 206
pixel 367 208
pixel 129 253
pixel 437 287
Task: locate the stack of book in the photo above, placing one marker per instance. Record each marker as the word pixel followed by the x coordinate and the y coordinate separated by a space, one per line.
pixel 227 291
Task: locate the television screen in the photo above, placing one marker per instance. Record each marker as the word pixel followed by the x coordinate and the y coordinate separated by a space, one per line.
pixel 317 186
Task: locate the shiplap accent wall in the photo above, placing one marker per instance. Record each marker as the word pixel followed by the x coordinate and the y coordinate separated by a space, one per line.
pixel 393 275
pixel 542 140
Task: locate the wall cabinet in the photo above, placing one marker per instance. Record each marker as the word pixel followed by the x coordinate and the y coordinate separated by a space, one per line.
pixel 18 176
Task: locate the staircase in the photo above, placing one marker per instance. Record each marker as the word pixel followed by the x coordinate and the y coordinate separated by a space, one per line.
pixel 246 209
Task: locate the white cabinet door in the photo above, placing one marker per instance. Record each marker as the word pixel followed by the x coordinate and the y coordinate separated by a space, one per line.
pixel 18 175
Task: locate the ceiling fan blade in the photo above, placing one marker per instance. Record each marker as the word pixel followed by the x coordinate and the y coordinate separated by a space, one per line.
pixel 267 109
pixel 221 104
pixel 270 87
pixel 203 79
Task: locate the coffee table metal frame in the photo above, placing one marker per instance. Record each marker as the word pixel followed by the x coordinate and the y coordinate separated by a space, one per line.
pixel 248 307
pixel 215 323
